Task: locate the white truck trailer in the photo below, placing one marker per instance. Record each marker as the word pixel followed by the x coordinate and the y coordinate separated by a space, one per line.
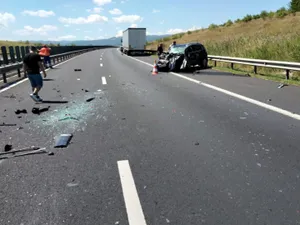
pixel 134 41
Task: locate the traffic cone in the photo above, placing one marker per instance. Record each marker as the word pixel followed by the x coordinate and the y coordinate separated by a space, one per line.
pixel 154 71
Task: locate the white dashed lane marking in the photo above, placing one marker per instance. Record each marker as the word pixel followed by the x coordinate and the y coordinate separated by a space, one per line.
pixel 132 202
pixel 104 81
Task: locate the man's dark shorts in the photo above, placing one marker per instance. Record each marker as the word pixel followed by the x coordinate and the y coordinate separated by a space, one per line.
pixel 36 80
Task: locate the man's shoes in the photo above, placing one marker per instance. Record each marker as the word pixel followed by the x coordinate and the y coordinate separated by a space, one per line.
pixel 36 98
pixel 39 99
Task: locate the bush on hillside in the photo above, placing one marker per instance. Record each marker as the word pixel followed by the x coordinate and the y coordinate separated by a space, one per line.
pixel 212 26
pixel 177 36
pixel 264 14
pixel 247 18
pixel 271 14
pixel 255 17
pixel 228 23
pixel 282 12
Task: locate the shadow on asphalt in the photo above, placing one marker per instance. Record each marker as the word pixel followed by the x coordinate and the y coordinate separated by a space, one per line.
pixel 55 102
pixel 48 79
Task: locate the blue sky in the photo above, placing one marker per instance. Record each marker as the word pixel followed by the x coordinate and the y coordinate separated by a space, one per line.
pixel 97 19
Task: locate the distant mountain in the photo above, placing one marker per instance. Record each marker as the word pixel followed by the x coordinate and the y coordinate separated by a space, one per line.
pixel 110 41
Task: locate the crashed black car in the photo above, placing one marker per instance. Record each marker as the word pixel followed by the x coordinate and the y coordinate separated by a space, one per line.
pixel 183 57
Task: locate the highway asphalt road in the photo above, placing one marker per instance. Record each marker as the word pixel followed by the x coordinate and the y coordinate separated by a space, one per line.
pixel 149 149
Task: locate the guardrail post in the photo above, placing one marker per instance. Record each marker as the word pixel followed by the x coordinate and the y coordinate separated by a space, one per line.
pixel 19 73
pixel 215 63
pixel 4 55
pixel 231 66
pixel 12 54
pixel 287 75
pixel 18 54
pixel 23 52
pixel 27 49
pixel 4 78
pixel 255 69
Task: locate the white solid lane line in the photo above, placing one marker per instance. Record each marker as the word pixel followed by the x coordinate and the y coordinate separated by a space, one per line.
pixel 244 98
pixel 104 81
pixel 132 202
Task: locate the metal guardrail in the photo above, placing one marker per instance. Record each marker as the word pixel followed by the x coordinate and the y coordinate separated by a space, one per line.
pixel 55 59
pixel 287 66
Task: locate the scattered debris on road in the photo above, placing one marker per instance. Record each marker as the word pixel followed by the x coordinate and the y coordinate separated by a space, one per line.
pixel 90 99
pixel 7 125
pixel 68 117
pixel 63 140
pixel 282 85
pixel 7 148
pixel 51 153
pixel 197 143
pixel 38 111
pixel 19 111
pixel 11 96
pixel 269 100
pixel 77 70
pixel 32 148
pixel 39 151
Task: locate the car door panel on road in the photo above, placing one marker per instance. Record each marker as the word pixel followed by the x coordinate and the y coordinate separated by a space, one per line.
pixel 197 156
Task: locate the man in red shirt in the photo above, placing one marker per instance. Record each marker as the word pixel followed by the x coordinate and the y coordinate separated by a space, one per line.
pixel 32 64
pixel 45 52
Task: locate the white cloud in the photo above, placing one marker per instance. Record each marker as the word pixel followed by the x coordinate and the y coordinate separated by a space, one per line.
pixel 39 13
pixel 194 28
pixel 94 18
pixel 175 31
pixel 178 30
pixel 6 18
pixel 43 30
pixel 157 33
pixel 124 1
pixel 133 25
pixel 66 25
pixel 101 2
pixel 155 11
pixel 63 38
pixel 95 10
pixel 127 19
pixel 115 11
pixel 119 33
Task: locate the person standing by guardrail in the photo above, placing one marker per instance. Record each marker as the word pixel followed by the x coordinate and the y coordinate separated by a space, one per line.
pixel 33 64
pixel 45 52
pixel 160 49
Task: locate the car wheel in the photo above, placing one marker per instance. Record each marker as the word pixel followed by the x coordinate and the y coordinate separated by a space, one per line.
pixel 204 64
